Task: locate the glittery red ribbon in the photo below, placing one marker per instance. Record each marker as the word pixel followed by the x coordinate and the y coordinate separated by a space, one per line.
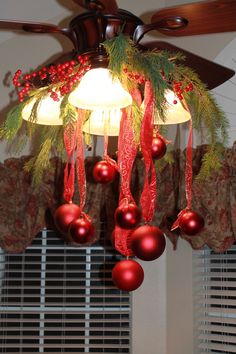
pixel 80 168
pixel 69 171
pixel 127 150
pixel 148 196
pixel 188 174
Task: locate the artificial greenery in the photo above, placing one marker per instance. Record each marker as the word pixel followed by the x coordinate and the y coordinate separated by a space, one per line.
pixel 132 66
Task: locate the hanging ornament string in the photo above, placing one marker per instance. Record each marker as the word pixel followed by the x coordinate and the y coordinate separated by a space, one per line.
pixel 127 149
pixel 80 168
pixel 148 196
pixel 69 171
pixel 188 171
pixel 106 140
pixel 189 167
pixel 157 134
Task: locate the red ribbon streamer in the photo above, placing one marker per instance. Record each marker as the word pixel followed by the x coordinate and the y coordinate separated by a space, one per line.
pixel 127 150
pixel 189 167
pixel 80 168
pixel 69 172
pixel 148 196
pixel 188 174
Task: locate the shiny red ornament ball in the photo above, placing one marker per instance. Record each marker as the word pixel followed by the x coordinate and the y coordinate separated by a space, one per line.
pixel 127 275
pixel 104 172
pixel 158 148
pixel 64 215
pixel 147 242
pixel 127 216
pixel 81 231
pixel 191 222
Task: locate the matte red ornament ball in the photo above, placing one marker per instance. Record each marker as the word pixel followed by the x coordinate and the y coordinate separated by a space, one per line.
pixel 191 222
pixel 81 231
pixel 127 216
pixel 127 275
pixel 104 172
pixel 147 242
pixel 158 148
pixel 64 215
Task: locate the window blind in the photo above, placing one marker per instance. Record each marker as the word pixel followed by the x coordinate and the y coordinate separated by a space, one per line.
pixel 215 301
pixel 61 299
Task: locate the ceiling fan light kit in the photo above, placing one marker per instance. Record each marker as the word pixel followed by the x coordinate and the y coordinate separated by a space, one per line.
pixel 147 86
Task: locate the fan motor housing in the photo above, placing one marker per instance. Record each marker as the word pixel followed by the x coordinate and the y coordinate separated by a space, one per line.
pixel 91 29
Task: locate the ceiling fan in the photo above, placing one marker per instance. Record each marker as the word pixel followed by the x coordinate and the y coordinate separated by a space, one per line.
pixel 103 20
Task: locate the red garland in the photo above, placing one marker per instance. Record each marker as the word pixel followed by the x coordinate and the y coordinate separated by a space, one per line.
pixel 148 197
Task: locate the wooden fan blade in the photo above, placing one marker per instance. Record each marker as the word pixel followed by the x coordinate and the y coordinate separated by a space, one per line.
pixel 35 27
pixel 212 74
pixel 107 6
pixel 203 17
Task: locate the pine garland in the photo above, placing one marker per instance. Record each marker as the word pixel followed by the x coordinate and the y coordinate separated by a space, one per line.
pixel 12 123
pixel 133 67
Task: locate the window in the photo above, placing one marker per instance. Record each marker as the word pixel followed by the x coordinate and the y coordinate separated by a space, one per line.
pixel 215 301
pixel 61 299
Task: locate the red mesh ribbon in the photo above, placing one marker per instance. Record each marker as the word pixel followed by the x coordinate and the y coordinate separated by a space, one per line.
pixel 188 174
pixel 148 196
pixel 127 150
pixel 80 169
pixel 69 172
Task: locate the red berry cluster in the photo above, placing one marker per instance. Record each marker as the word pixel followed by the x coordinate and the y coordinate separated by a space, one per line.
pixel 139 78
pixel 64 76
pixel 17 83
pixel 179 89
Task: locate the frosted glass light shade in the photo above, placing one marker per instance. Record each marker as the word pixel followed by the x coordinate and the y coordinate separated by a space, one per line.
pixel 101 121
pixel 99 90
pixel 48 111
pixel 175 113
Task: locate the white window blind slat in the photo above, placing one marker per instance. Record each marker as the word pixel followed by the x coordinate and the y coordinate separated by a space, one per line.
pixel 211 348
pixel 215 301
pixel 58 298
pixel 214 328
pixel 218 337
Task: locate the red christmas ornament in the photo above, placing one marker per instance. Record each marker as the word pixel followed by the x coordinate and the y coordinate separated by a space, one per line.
pixel 127 216
pixel 191 222
pixel 81 230
pixel 158 148
pixel 64 215
pixel 104 172
pixel 127 275
pixel 147 242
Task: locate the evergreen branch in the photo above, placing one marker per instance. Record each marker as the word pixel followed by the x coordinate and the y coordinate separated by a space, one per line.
pixel 211 161
pixel 12 123
pixel 68 112
pixel 40 163
pixel 119 50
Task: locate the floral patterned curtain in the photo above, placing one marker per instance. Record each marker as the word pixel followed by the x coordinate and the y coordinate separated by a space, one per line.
pixel 26 209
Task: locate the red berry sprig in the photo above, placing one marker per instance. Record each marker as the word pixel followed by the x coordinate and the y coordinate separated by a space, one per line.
pixel 179 89
pixel 63 76
pixel 139 78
